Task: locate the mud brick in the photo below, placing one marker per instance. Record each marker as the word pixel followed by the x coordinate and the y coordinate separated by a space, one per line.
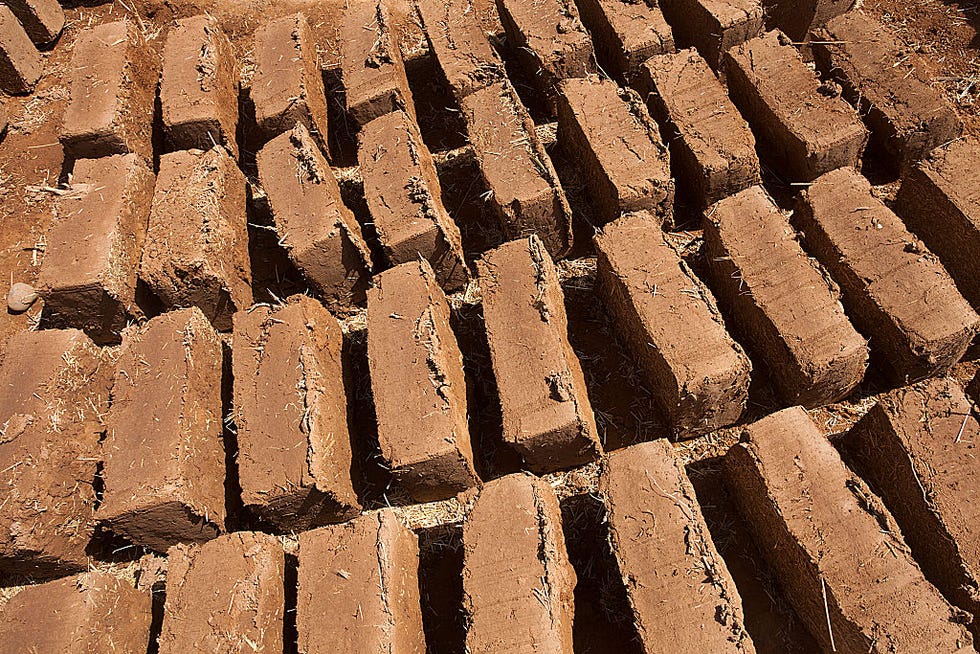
pixel 418 384
pixel 197 240
pixel 833 546
pixel 940 202
pixel 90 612
pixel 287 87
pixel 802 131
pixel 522 185
pixel 21 65
pixel 893 288
pixel 359 589
pixel 164 461
pixel 550 39
pixel 547 417
pixel 88 274
pixel 973 389
pixel 917 450
pixel 226 595
pixel 43 20
pixel 113 87
pixel 320 234
pixel 3 121
pixel 517 598
pixel 460 45
pixel 664 553
pixel 199 86
pixel 699 376
pixel 371 64
pixel 888 84
pixel 404 197
pixel 712 147
pixel 797 17
pixel 714 26
pixel 54 388
pixel 781 301
pixel 626 33
pixel 294 454
pixel 609 131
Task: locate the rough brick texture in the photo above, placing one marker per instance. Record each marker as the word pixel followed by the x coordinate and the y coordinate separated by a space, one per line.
pixel 319 233
pixel 225 596
pixel 418 384
pixel 287 87
pixel 833 546
pixel 889 85
pixel 88 274
pixel 803 132
pixel 289 388
pixel 547 417
pixel 713 26
pixel 521 182
pixel 196 250
pixel 54 391
pixel 359 589
pixel 517 598
pixel 21 65
pixel 164 461
pixel 626 33
pixel 113 86
pixel 893 288
pixel 90 612
pixel 665 555
pixel 609 132
pixel 699 376
pixel 199 86
pixel 404 197
pixel 940 202
pixel 781 301
pixel 712 148
pixel 43 20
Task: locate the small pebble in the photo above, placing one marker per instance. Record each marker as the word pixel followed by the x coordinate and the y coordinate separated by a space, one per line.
pixel 21 297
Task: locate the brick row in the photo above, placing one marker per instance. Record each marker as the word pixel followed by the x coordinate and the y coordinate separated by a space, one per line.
pixel 43 20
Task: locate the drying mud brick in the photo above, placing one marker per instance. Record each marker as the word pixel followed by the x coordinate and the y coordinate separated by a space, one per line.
pixel 90 612
pixel 888 83
pixel 803 131
pixel 682 597
pixel 294 453
pixel 358 588
pixel 113 85
pixel 712 147
pixel 626 33
pixel 460 45
pixel 550 39
pixel 371 64
pixel 88 274
pixel 833 546
pixel 698 375
pixel 54 390
pixel 940 202
pixel 43 20
pixel 781 301
pixel 521 182
pixel 547 417
pixel 893 288
pixel 21 65
pixel 287 87
pixel 609 132
pixel 714 26
pixel 226 595
pixel 917 450
pixel 798 17
pixel 319 233
pixel 164 460
pixel 199 86
pixel 197 240
pixel 418 385
pixel 517 598
pixel 404 197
